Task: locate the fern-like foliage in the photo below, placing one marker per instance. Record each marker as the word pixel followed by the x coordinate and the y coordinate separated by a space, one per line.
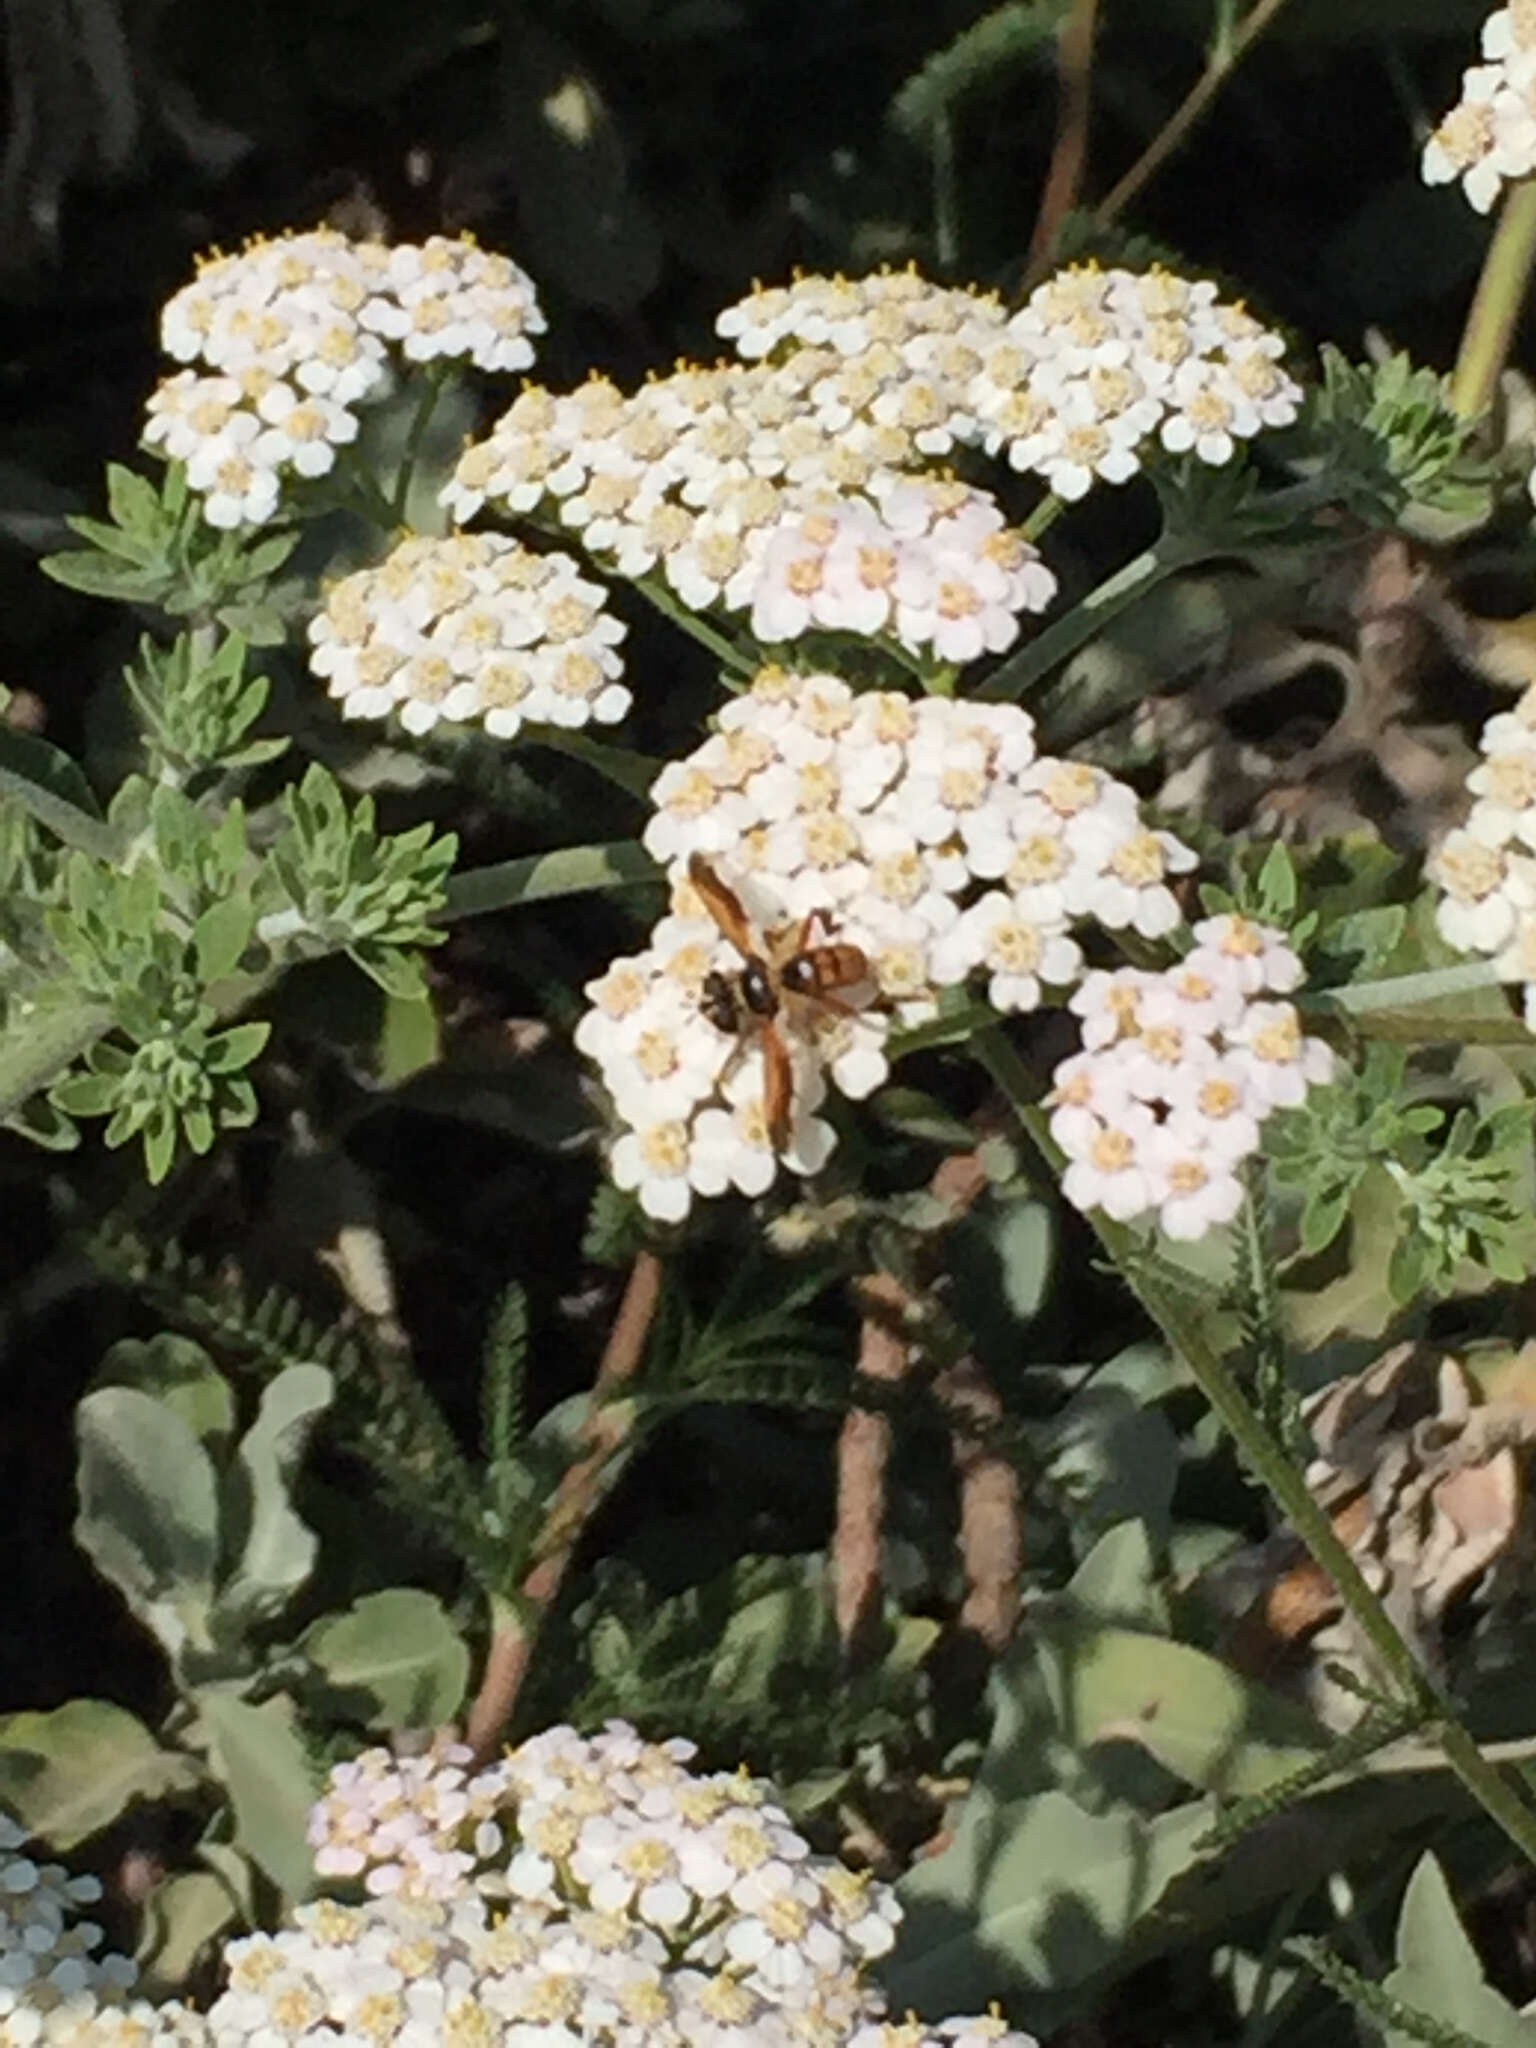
pixel 1376 2002
pixel 981 56
pixel 503 1371
pixel 748 1663
pixel 1373 1732
pixel 767 1352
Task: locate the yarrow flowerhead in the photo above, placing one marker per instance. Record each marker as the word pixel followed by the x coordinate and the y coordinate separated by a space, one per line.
pixel 1488 138
pixel 1486 869
pixel 625 1901
pixel 407 1827
pixel 1096 365
pixel 56 1991
pixel 290 336
pixel 730 487
pixel 1178 1071
pixel 471 627
pixel 926 839
pixel 798 487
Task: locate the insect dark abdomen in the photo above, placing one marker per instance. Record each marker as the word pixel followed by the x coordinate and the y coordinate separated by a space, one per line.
pixel 717 1000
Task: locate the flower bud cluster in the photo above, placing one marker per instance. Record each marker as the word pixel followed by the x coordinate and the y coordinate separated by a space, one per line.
pixel 619 1900
pixel 1177 1073
pixel 471 626
pixel 289 337
pixel 928 836
pixel 1486 869
pixel 1489 136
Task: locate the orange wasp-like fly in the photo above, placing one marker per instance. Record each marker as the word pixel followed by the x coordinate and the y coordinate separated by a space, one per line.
pixel 780 968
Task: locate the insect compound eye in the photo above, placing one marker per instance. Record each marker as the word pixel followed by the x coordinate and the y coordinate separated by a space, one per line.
pixel 799 975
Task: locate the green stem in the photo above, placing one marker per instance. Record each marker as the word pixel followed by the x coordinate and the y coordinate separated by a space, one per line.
pixel 1495 310
pixel 1270 1465
pixel 1394 1028
pixel 414 440
pixel 1044 516
pixel 1261 1311
pixel 37 1051
pixel 622 766
pixel 725 651
pixel 1117 593
pixel 946 198
pixel 537 877
pixel 1401 991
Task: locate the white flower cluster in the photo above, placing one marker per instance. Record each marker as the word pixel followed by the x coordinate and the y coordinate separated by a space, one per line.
pixel 1489 137
pixel 55 1990
pixel 931 564
pixel 1095 365
pixel 925 835
pixel 470 626
pixel 641 1906
pixel 1486 869
pixel 413 1828
pixel 82 2022
pixel 785 486
pixel 290 336
pixel 724 484
pixel 1178 1071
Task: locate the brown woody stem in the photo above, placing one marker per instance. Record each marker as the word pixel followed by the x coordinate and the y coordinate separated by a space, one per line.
pixel 516 1623
pixel 863 1448
pixel 1074 75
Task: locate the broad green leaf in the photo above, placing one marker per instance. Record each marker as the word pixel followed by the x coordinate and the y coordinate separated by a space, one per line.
pixel 399 974
pixel 181 1376
pixel 46 783
pixel 538 877
pixel 1216 1731
pixel 257 1753
pixel 148 1516
pixel 1023 1235
pixel 85 1094
pixel 182 1916
pixel 395 1659
pixel 221 935
pixel 69 1773
pixel 918 1115
pixel 276 1551
pixel 1038 1893
pixel 97 575
pixel 45 1124
pixel 1358 1303
pixel 133 499
pixel 1114 1459
pixel 761 1638
pixel 1118 1581
pixel 235 1048
pixel 1438 1971
pixel 410 1039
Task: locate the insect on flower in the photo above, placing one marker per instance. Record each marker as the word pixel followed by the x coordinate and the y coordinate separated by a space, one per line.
pixel 782 968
